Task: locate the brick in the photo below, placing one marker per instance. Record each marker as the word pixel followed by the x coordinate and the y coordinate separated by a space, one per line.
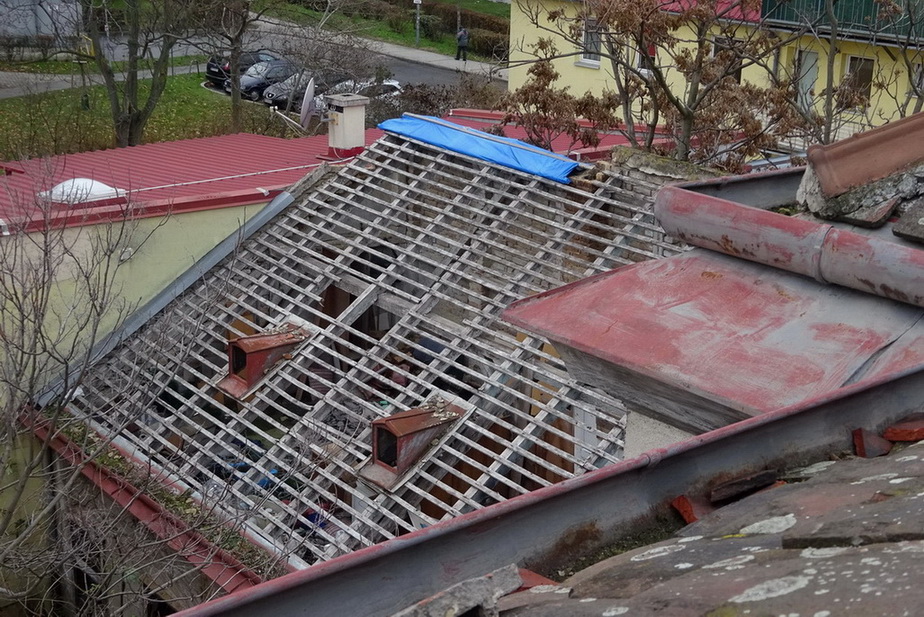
pixel 531 579
pixel 692 508
pixel 870 445
pixel 910 428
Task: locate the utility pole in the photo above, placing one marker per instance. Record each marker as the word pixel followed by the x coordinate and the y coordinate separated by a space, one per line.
pixel 417 23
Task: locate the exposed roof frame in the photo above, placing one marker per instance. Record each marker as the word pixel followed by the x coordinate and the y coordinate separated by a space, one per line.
pixel 423 242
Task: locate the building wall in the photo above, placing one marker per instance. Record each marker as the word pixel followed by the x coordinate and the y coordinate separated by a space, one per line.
pixel 155 251
pixel 581 76
pixel 31 18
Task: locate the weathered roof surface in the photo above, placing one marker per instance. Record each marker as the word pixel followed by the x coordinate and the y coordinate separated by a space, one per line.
pixel 707 338
pixel 847 164
pixel 840 538
pixel 400 265
pixel 744 338
pixel 191 174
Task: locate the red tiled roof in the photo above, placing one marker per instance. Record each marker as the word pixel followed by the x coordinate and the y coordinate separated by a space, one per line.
pixel 193 174
pixel 847 164
pixel 732 10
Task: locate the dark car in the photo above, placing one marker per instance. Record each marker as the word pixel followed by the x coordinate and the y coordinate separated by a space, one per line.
pixel 293 88
pixel 261 76
pixel 218 69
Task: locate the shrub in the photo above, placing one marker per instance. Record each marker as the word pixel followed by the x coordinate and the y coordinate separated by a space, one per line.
pixel 470 19
pixel 431 27
pixel 488 44
pixel 398 20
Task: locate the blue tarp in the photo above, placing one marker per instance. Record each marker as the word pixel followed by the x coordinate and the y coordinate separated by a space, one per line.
pixel 501 150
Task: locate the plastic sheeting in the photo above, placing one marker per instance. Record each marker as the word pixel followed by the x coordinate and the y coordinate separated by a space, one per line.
pixel 511 153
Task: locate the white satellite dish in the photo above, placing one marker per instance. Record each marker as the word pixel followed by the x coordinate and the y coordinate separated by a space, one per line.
pixel 307 104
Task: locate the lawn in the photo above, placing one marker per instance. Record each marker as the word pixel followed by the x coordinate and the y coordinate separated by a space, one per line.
pixel 382 31
pixel 66 121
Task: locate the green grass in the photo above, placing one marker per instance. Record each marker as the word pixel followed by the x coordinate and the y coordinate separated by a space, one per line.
pixel 58 122
pixel 485 7
pixel 70 67
pixel 379 30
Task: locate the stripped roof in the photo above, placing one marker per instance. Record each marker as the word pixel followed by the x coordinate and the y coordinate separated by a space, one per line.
pixel 398 268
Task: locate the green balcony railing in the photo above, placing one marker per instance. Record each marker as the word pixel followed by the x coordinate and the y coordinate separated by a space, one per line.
pixel 858 17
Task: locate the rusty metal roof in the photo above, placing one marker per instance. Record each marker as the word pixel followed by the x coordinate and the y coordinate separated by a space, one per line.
pixel 707 338
pixel 402 263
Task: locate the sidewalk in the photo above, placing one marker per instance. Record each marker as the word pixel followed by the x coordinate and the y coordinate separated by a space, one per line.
pixel 421 56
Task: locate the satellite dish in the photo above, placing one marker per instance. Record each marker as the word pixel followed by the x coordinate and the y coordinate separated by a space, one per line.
pixel 307 104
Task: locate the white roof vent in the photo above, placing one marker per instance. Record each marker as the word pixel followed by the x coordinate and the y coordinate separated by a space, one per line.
pixel 80 190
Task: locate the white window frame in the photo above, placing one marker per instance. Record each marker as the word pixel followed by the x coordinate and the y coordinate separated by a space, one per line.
pixel 916 78
pixel 592 39
pixel 723 42
pixel 848 73
pixel 640 54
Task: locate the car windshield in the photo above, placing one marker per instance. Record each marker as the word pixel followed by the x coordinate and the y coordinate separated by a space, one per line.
pixel 258 70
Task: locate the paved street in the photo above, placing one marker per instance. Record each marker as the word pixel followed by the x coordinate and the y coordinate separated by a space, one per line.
pixel 409 66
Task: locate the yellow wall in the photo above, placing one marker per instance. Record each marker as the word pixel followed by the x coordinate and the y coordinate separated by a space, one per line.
pixel 581 76
pixel 161 249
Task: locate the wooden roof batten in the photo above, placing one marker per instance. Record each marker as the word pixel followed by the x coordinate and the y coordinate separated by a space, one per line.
pixel 402 264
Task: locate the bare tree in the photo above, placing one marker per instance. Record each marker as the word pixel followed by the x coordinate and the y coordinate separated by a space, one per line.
pixel 679 67
pixel 65 546
pixel 881 77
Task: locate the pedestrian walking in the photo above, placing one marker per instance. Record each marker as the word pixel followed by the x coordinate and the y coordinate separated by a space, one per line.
pixel 462 45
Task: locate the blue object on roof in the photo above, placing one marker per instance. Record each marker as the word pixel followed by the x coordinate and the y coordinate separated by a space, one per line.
pixel 501 150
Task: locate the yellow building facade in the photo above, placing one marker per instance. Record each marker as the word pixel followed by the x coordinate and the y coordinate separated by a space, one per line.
pixel 888 74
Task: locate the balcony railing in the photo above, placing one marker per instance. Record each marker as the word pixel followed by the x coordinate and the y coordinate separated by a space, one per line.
pixel 867 18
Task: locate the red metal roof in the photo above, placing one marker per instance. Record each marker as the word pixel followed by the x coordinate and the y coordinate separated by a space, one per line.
pixel 734 334
pixel 482 120
pixel 193 174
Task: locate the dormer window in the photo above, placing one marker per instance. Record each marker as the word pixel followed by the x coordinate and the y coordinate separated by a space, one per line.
pixel 251 358
pixel 401 440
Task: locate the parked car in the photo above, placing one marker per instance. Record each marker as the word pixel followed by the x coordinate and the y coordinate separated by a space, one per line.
pixel 293 88
pixel 374 89
pixel 218 69
pixel 261 76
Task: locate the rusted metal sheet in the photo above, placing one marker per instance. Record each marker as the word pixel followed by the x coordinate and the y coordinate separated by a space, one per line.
pixel 847 164
pixel 725 333
pixel 545 529
pixel 872 261
pixel 250 358
pixel 399 441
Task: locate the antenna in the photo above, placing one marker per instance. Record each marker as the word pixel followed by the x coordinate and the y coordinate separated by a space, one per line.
pixel 307 104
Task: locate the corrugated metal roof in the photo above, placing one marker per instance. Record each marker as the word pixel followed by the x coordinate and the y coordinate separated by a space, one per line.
pixel 189 174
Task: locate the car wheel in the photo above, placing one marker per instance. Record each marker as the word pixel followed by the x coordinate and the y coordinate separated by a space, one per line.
pixel 254 95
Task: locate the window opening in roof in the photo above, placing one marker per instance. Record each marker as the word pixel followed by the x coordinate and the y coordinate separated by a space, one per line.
pixel 251 358
pixel 386 448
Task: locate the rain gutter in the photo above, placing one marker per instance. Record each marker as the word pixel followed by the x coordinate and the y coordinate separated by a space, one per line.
pixel 546 529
